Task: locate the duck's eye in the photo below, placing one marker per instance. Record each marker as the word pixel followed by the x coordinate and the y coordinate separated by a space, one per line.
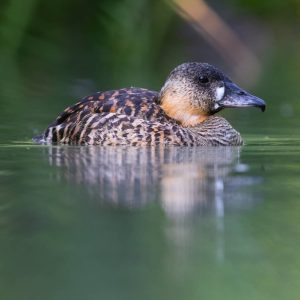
pixel 203 79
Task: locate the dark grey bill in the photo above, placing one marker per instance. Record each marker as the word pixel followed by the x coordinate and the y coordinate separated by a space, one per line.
pixel 236 97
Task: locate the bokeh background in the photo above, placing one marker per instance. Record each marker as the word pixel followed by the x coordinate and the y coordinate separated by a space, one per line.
pixel 54 52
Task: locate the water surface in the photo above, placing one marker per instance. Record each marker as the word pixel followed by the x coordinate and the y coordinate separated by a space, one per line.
pixel 143 223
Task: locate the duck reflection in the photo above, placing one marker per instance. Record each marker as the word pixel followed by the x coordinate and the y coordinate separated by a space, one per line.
pixel 185 181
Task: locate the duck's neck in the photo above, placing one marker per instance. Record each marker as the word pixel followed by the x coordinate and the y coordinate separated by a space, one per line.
pixel 181 110
pixel 214 131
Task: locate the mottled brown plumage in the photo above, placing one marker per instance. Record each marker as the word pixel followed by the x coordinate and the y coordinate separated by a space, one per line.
pixel 181 114
pixel 134 102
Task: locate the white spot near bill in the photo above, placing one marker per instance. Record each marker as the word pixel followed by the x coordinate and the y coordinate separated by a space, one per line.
pixel 220 91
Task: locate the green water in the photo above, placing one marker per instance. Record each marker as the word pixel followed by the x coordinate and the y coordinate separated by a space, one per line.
pixel 150 223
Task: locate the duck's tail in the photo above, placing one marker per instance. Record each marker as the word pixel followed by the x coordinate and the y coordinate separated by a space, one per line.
pixel 39 139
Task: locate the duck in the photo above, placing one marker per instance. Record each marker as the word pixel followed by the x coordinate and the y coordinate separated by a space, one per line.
pixel 182 113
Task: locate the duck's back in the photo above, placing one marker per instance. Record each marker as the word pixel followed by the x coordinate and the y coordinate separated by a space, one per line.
pixel 134 103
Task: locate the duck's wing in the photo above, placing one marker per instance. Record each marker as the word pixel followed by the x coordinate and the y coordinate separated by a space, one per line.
pixel 115 129
pixel 134 102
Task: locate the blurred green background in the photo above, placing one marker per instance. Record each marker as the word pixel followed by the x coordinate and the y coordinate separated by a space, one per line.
pixel 54 52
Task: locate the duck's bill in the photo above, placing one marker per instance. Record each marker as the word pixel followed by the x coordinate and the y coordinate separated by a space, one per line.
pixel 236 97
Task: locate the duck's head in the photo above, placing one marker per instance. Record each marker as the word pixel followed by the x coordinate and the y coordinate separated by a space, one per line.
pixel 194 91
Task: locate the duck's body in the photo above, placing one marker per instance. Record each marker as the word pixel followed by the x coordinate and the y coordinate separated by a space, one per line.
pixel 136 116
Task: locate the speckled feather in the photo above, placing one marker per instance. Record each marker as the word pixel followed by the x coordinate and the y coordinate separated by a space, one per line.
pixel 121 117
pixel 104 119
pixel 134 102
